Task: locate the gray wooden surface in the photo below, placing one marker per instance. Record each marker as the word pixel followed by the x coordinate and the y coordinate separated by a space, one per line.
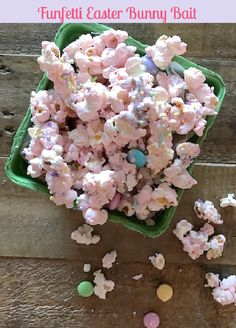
pixel 40 265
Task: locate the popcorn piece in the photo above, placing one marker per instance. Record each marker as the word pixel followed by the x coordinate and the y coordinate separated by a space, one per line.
pixel 212 280
pixel 87 267
pixel 216 247
pixel 138 276
pixel 165 49
pixel 228 201
pixel 224 291
pixel 187 150
pixel 194 78
pixel 83 235
pixel 102 285
pixel 158 261
pixel 109 259
pixel 206 210
pixel 182 228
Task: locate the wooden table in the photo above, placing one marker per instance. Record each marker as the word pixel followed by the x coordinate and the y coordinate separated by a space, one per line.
pixel 40 265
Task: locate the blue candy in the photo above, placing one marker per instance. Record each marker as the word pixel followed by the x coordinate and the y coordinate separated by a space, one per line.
pixel 137 157
pixel 150 66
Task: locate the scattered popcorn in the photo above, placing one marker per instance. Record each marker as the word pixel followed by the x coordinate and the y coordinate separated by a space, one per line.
pixel 216 247
pixel 104 138
pixel 109 259
pixel 87 267
pixel 182 228
pixel 224 291
pixel 206 210
pixel 195 243
pixel 228 201
pixel 212 280
pixel 158 261
pixel 138 276
pixel 83 235
pixel 102 286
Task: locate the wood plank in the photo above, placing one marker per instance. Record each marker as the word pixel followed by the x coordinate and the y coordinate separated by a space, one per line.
pixel 23 75
pixel 38 293
pixel 32 226
pixel 205 40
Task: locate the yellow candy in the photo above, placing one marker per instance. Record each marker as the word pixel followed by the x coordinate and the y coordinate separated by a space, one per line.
pixel 164 292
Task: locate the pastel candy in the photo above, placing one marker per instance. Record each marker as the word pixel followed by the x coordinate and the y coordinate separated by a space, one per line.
pixel 137 157
pixel 114 203
pixel 164 292
pixel 85 289
pixel 151 320
pixel 149 64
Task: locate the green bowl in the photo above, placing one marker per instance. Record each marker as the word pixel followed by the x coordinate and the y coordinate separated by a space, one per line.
pixel 16 167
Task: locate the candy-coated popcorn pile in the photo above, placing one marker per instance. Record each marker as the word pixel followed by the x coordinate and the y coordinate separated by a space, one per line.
pixel 113 132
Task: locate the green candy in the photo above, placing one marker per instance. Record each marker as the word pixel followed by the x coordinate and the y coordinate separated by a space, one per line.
pixel 85 288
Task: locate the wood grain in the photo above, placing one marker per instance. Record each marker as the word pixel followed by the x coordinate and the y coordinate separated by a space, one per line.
pixel 22 75
pixel 38 293
pixel 32 226
pixel 205 40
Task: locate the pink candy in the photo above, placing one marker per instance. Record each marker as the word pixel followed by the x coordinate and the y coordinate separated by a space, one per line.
pixel 114 203
pixel 151 320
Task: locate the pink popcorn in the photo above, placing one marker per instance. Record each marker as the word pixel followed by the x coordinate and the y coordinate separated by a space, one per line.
pixel 60 72
pixel 165 49
pixel 33 150
pixel 160 134
pixel 89 65
pixel 94 216
pixel 109 259
pixel 187 150
pixel 228 201
pixel 111 38
pixel 173 84
pixel 182 228
pixel 206 210
pixel 95 100
pixel 126 206
pixel 35 169
pixel 216 247
pixel 179 176
pixel 79 136
pixel 212 280
pixel 134 66
pixel 196 243
pixel 163 196
pixel 66 198
pixel 119 99
pixel 39 103
pixel 84 235
pixel 224 291
pixel 181 117
pixel 117 57
pixel 158 157
pixel 194 78
pixel 102 286
pixel 127 125
pixel 84 42
pixel 158 261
